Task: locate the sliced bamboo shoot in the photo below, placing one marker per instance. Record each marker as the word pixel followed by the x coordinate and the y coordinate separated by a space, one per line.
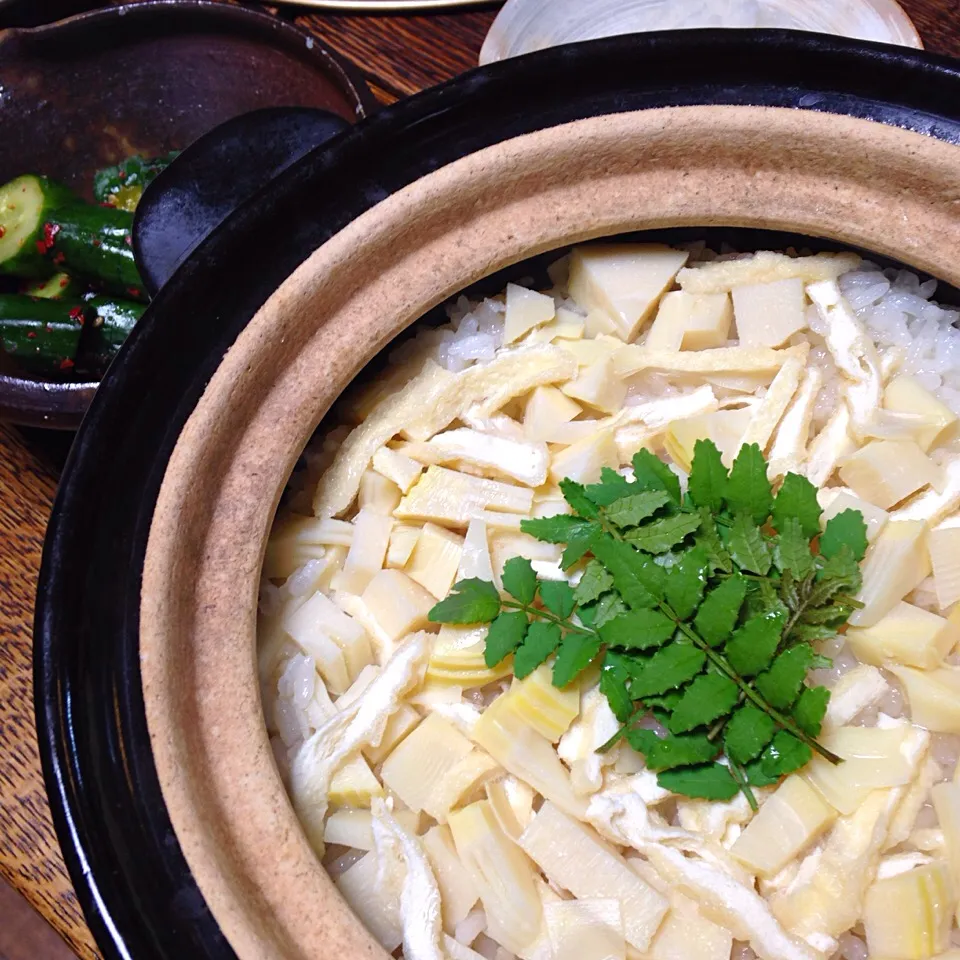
pixel 904 395
pixel 886 472
pixel 416 769
pixel 526 309
pixel 367 551
pixel 526 754
pixel 402 470
pixel 944 545
pixel 582 461
pixel 686 935
pixel 502 875
pixel 724 427
pixel 895 564
pixel 548 709
pixel 908 917
pixel 573 857
pixel 769 314
pixel 398 726
pixel 690 321
pixel 461 784
pixel 398 605
pixel 458 892
pixel 907 635
pixel 793 818
pixel 547 410
pixel 624 281
pixel 475 559
pixel 598 386
pixel 874 758
pixel 403 538
pixel 378 494
pixel 933 695
pixel 588 929
pixel 435 559
pixel 354 785
pixel 946 802
pixel 452 498
pixel 378 910
pixel 486 453
pixel 353 827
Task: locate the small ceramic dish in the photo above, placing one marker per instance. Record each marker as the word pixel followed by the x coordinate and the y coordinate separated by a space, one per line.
pixel 178 833
pixel 145 78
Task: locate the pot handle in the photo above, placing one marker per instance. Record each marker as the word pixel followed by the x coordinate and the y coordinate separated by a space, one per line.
pixel 214 176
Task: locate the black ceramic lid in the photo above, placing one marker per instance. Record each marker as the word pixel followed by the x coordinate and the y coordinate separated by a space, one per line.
pixel 129 872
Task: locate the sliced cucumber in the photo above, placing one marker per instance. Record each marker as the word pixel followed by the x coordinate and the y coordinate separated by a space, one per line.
pixel 25 208
pixel 42 335
pixel 61 286
pixel 109 322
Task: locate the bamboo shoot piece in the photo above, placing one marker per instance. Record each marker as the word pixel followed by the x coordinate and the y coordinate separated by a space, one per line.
pixel 904 395
pixel 416 769
pixel 353 827
pixel 687 935
pixel 526 309
pixel 908 635
pixel 886 472
pixel 512 804
pixel 378 494
pixel 623 281
pixel 690 321
pixel 435 559
pixel 398 605
pixel 944 545
pixel 453 499
pixel 458 892
pixel 583 460
pixel 933 695
pixel 402 470
pixel 589 929
pixel 793 818
pixel 530 757
pixel 354 785
pixel 724 427
pixel 548 709
pixel 908 917
pixel 769 314
pixel 378 909
pixel 548 410
pixel 401 722
pixel 502 875
pixel 895 564
pixel 368 551
pixel 874 757
pixel 946 802
pixel 573 857
pixel 598 386
pixel 403 539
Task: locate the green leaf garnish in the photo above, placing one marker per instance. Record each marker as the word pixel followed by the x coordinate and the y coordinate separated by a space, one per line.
pixel 701 611
pixel 542 639
pixel 797 500
pixel 520 580
pixel 846 529
pixel 748 489
pixel 707 486
pixel 473 601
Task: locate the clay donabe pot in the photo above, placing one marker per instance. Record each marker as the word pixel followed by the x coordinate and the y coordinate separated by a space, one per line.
pixel 175 824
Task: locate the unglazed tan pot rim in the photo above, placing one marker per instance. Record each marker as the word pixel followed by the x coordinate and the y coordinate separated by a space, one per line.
pixel 873 186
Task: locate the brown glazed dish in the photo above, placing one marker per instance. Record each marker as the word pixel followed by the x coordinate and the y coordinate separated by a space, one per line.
pixel 693 129
pixel 144 78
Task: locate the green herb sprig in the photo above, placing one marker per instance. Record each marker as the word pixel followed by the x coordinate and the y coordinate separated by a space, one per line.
pixel 701 610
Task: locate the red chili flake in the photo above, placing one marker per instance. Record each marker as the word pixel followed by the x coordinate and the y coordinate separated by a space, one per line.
pixel 50 231
pixel 31 335
pixel 128 240
pixel 58 258
pixel 133 291
pixel 66 363
pixel 122 174
pixel 3 232
pixel 77 314
pixel 64 281
pixel 48 328
pixel 96 242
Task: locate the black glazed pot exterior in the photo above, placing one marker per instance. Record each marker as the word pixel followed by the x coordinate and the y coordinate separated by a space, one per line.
pixel 130 875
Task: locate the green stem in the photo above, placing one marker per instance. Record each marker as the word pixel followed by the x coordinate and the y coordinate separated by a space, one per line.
pixel 552 617
pixel 736 771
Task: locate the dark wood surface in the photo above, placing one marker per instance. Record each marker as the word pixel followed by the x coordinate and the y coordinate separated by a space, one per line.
pixel 399 55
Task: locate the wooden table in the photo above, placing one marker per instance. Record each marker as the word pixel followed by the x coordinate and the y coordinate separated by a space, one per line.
pixel 399 56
